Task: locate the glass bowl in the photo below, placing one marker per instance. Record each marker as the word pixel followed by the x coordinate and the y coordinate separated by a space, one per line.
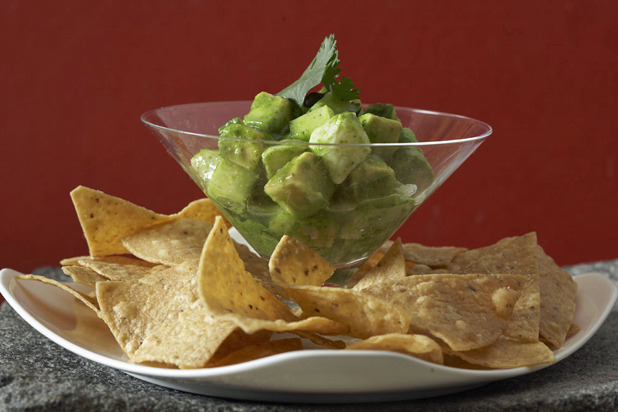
pixel 344 222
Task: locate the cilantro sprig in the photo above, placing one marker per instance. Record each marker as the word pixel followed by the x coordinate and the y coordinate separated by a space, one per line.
pixel 324 68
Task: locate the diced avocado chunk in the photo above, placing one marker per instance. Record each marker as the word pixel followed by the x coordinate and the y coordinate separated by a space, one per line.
pixel 381 130
pixel 302 127
pixel 246 152
pixel 337 104
pixel 302 186
pixel 275 157
pixel 407 136
pixel 236 120
pixel 269 113
pixel 317 231
pixel 372 178
pixel 259 236
pixel 204 164
pixel 383 110
pixel 375 219
pixel 231 185
pixel 340 160
pixel 411 167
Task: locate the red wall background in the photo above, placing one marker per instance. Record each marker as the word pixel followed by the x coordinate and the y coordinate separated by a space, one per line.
pixel 75 76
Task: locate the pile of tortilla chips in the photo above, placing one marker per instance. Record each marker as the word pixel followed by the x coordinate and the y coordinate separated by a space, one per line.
pixel 177 291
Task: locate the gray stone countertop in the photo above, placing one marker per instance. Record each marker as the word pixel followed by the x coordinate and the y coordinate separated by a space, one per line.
pixel 36 374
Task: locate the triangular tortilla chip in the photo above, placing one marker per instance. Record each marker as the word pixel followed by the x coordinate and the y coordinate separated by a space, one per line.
pixel 511 255
pixel 83 276
pixel 391 267
pixel 84 298
pixel 228 291
pixel 419 346
pixel 159 318
pixel 507 353
pixel 363 314
pixel 171 243
pixel 465 311
pixel 202 209
pixel 107 219
pixel 293 263
pixel 558 292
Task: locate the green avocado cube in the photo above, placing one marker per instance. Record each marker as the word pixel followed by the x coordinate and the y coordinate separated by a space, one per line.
pixel 411 167
pixel 246 149
pixel 337 104
pixel 381 130
pixel 340 160
pixel 204 164
pixel 383 110
pixel 275 157
pixel 302 127
pixel 375 219
pixel 231 185
pixel 236 120
pixel 302 186
pixel 372 178
pixel 269 113
pixel 407 136
pixel 258 235
pixel 317 231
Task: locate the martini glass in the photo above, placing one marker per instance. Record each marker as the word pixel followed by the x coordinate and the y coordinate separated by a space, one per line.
pixel 357 218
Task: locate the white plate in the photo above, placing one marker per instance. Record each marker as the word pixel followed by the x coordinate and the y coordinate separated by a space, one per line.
pixel 312 376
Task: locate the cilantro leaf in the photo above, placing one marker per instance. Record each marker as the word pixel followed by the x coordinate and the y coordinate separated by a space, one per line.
pixel 345 90
pixel 326 59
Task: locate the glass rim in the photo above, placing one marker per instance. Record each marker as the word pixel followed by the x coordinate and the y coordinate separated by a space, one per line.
pixel 480 137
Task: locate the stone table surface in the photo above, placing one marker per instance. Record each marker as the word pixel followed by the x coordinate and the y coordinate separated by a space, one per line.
pixel 37 374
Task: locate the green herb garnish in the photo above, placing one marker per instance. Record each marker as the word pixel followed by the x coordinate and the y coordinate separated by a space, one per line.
pixel 323 69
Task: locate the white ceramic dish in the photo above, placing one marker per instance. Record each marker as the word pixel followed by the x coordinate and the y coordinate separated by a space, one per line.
pixel 312 376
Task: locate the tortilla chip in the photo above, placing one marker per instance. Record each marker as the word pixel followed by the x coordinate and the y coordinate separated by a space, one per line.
pixel 227 290
pixel 427 255
pixel 573 330
pixel 511 255
pixel 466 311
pixel 391 267
pixel 258 267
pixel 83 276
pixel 260 350
pixel 119 259
pixel 507 353
pixel 83 297
pixel 419 346
pixel 363 314
pixel 106 219
pixel 160 318
pixel 558 292
pixel 170 243
pixel 293 263
pixel 117 271
pixel 202 209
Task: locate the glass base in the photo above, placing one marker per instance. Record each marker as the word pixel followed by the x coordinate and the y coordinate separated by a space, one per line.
pixel 342 276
